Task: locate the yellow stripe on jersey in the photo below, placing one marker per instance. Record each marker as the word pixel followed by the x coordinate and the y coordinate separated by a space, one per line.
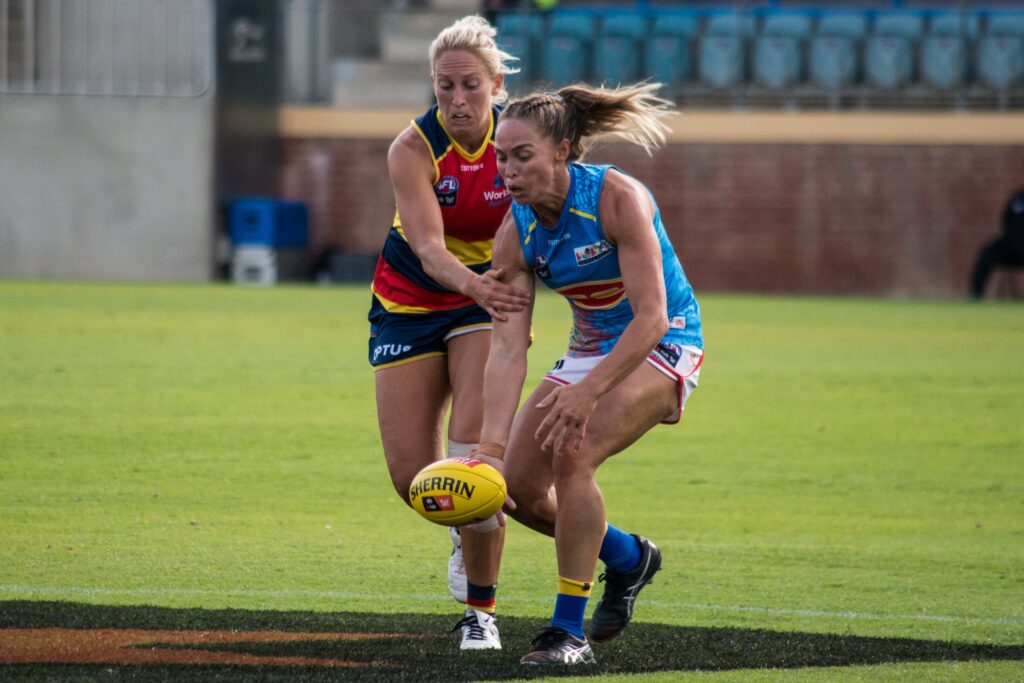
pixel 430 150
pixel 529 233
pixel 392 307
pixel 469 253
pixel 584 214
pixel 468 156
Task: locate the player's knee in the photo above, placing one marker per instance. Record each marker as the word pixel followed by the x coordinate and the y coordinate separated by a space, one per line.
pixel 567 466
pixel 525 491
pixel 401 478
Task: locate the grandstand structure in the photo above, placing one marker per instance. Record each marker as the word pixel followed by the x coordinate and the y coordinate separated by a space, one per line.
pixel 893 53
pixel 838 54
pixel 824 147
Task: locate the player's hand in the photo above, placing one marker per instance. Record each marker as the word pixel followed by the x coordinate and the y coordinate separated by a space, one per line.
pixel 493 453
pixel 565 425
pixel 495 297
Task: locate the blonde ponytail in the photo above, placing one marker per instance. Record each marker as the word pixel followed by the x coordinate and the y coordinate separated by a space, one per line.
pixel 584 115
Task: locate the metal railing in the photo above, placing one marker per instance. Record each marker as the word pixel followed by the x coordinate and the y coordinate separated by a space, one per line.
pixel 107 47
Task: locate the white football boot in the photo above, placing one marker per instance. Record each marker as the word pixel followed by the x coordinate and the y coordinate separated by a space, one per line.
pixel 479 631
pixel 457 568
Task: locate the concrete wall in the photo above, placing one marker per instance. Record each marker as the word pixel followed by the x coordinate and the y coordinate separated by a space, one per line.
pixel 106 187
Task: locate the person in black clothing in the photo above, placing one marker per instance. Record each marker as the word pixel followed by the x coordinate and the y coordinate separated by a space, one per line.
pixel 1005 250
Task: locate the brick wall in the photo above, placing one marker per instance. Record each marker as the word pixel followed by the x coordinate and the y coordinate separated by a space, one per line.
pixel 870 219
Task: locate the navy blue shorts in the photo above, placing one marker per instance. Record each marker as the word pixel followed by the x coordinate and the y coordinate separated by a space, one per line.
pixel 397 338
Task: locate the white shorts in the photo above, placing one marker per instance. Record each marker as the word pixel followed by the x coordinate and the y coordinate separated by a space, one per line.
pixel 677 362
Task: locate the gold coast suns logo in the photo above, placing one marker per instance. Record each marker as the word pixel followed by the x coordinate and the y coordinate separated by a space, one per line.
pixel 592 252
pixel 447 190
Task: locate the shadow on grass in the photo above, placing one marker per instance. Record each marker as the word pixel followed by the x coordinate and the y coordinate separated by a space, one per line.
pixel 72 641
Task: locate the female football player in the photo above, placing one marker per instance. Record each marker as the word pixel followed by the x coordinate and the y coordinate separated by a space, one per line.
pixel 434 294
pixel 595 235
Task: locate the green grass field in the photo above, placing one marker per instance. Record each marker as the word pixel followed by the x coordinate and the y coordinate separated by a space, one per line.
pixel 848 479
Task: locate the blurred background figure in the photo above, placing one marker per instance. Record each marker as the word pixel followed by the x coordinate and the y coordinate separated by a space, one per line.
pixel 1006 251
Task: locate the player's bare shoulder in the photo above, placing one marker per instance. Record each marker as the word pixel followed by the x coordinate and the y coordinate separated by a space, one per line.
pixel 624 201
pixel 408 151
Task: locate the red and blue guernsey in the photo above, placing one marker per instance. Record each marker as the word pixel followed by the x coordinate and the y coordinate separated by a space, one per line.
pixel 575 259
pixel 473 200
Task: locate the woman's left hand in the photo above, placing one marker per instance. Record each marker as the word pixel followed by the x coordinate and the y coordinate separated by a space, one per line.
pixel 566 423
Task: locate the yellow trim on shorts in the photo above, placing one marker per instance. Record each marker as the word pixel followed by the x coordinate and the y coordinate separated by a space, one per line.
pixel 404 361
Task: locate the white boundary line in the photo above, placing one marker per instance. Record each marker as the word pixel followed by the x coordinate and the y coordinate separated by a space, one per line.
pixel 347 595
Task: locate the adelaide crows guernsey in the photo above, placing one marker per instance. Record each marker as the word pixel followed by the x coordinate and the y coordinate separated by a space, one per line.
pixel 575 259
pixel 473 201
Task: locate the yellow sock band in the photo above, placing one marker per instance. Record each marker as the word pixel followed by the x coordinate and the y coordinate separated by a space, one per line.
pixel 572 587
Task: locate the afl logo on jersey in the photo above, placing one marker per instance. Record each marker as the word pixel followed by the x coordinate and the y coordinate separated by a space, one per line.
pixel 447 190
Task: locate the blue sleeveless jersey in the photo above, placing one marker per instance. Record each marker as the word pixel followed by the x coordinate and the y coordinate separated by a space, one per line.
pixel 576 260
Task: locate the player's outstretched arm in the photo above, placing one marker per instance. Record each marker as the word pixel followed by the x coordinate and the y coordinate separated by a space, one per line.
pixel 506 365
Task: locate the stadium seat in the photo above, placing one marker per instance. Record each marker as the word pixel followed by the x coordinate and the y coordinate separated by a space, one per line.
pixel 889 51
pixel 565 54
pixel 1001 61
pixel 667 58
pixel 723 49
pixel 1000 57
pixel 834 49
pixel 618 54
pixel 963 24
pixel 944 51
pixel 1005 24
pixel 519 34
pixel 778 51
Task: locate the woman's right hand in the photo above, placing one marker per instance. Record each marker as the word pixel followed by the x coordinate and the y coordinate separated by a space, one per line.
pixel 493 454
pixel 495 297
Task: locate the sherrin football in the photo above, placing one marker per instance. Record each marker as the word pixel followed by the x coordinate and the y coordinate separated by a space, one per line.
pixel 457 491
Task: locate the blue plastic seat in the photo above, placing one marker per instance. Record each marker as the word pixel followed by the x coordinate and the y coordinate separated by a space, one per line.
pixel 730 24
pixel 519 34
pixel 1000 61
pixel 832 61
pixel 943 61
pixel 909 25
pixel 889 51
pixel 565 54
pixel 1005 24
pixel 778 51
pixel 791 24
pixel 1000 57
pixel 722 49
pixel 667 59
pixel 960 24
pixel 944 51
pixel 618 54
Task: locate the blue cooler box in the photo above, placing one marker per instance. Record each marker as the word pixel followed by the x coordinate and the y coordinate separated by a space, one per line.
pixel 275 223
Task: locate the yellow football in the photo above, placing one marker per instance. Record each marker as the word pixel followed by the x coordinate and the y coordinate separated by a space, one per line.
pixel 457 491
